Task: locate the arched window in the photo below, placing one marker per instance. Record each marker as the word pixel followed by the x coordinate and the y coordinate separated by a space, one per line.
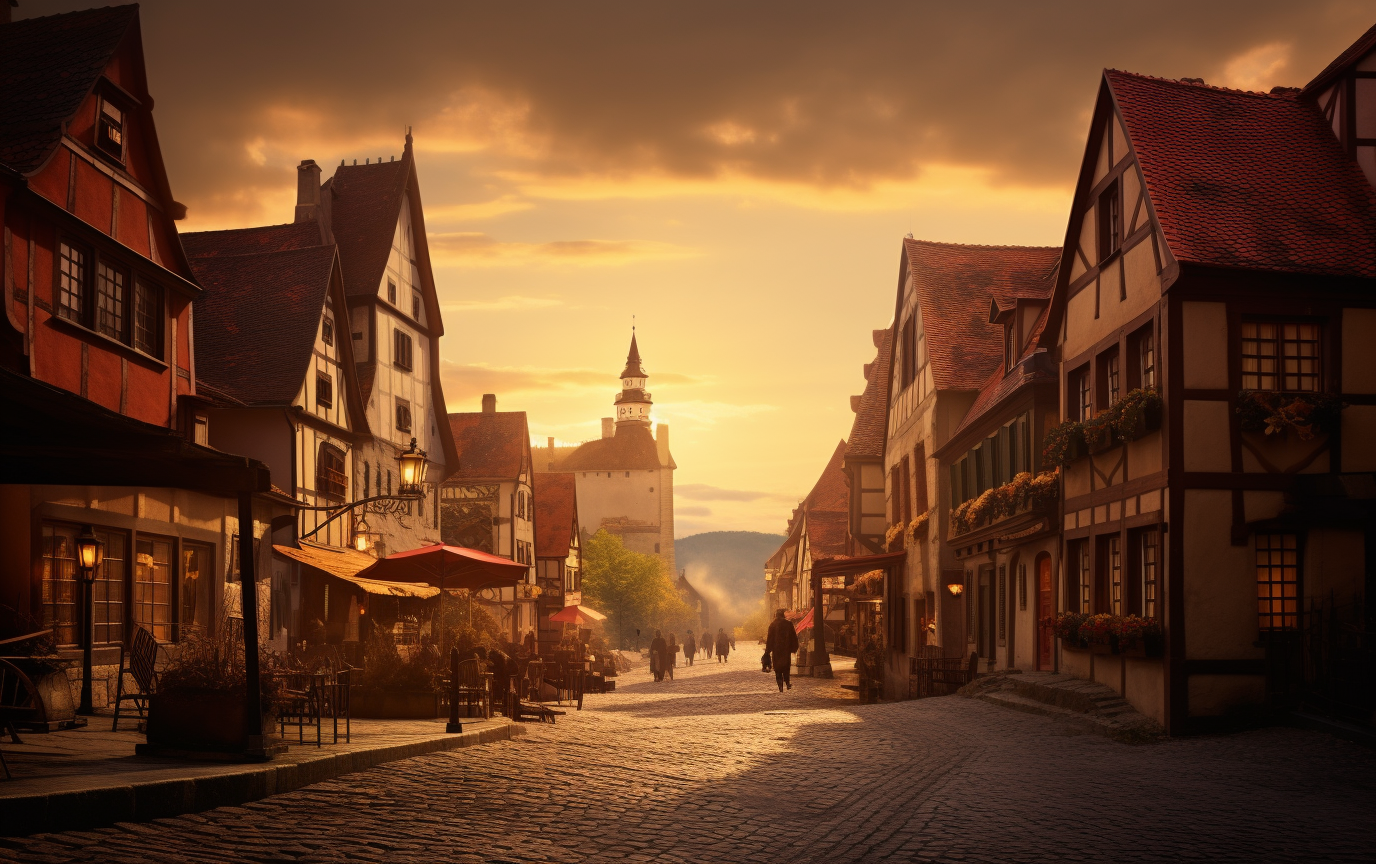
pixel 330 479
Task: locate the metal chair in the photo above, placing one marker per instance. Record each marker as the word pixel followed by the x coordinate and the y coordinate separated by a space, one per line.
pixel 300 703
pixel 336 696
pixel 140 662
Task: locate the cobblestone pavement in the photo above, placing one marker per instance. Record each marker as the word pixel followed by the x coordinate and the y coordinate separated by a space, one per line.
pixel 717 767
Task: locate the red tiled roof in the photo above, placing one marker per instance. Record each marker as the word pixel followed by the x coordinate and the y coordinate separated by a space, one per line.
pixel 1244 180
pixel 1356 51
pixel 48 66
pixel 257 320
pixel 364 213
pixel 826 533
pixel 830 491
pixel 556 509
pixel 954 284
pixel 632 448
pixel 492 446
pixel 246 241
pixel 871 416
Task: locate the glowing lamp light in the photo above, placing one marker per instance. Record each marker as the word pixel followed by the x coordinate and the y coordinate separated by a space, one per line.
pixel 361 541
pixel 412 464
pixel 956 589
pixel 89 553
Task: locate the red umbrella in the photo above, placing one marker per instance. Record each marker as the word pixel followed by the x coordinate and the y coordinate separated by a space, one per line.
pixel 577 615
pixel 454 566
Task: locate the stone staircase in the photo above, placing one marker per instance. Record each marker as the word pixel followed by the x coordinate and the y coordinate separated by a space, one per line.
pixel 1083 704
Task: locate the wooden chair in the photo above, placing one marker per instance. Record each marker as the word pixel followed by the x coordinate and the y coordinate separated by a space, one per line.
pixel 139 662
pixel 300 702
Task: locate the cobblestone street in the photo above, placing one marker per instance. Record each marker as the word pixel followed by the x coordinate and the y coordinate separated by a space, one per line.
pixel 717 767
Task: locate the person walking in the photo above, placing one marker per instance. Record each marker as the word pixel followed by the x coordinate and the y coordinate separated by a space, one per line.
pixel 658 649
pixel 707 647
pixel 723 645
pixel 673 655
pixel 782 641
pixel 690 647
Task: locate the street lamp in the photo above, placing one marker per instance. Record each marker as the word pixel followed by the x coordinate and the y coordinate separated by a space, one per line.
pixel 412 464
pixel 361 532
pixel 89 553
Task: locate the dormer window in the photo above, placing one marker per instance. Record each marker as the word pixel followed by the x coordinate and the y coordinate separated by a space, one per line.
pixel 110 130
pixel 1010 349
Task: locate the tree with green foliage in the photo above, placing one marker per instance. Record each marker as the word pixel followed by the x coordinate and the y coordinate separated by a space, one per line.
pixel 634 591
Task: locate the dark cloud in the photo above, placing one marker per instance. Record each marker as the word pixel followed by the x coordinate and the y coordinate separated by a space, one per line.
pixel 824 93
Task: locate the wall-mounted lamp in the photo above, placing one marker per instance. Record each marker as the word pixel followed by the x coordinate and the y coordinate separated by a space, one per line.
pixel 956 588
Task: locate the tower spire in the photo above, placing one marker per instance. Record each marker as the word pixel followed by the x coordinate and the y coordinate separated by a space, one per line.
pixel 633 402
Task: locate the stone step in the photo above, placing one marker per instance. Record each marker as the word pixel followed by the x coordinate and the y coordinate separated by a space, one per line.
pixel 1130 728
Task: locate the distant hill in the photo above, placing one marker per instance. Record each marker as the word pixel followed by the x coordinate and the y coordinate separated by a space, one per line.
pixel 727 567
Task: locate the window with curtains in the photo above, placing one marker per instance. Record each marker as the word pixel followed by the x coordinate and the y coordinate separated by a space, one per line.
pixel 1278 581
pixel 152 600
pixel 198 570
pixel 1281 355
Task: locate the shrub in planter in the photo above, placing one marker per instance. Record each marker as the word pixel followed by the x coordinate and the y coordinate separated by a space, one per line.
pixel 392 686
pixel 1305 414
pixel 1063 444
pixel 1139 635
pixel 201 703
pixel 1139 412
pixel 1100 629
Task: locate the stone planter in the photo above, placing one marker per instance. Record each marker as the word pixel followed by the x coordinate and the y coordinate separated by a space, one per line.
pixel 210 721
pixel 381 704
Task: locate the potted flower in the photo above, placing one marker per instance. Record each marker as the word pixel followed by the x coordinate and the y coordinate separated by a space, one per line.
pixel 917 529
pixel 893 538
pixel 1100 432
pixel 1066 627
pixel 1140 637
pixel 1279 414
pixel 1063 444
pixel 1139 413
pixel 1100 631
pixel 201 702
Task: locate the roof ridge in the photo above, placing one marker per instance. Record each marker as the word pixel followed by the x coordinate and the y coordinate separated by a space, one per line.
pixel 1288 95
pixel 946 245
pixel 123 7
pixel 242 228
pixel 264 253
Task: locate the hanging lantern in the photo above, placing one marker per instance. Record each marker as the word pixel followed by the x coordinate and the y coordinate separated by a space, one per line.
pixel 412 465
pixel 89 553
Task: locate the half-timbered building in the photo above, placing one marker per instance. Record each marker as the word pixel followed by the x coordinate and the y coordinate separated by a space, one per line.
pixel 1221 253
pixel 103 425
pixel 864 458
pixel 943 356
pixel 488 504
pixel 558 551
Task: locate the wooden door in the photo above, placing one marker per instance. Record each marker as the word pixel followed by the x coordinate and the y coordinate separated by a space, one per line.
pixel 1045 605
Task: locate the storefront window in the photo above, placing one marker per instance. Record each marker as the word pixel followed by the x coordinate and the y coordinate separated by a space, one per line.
pixel 59 583
pixel 198 568
pixel 153 587
pixel 108 589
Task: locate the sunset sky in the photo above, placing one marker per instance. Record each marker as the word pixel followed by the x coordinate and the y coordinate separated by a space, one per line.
pixel 738 176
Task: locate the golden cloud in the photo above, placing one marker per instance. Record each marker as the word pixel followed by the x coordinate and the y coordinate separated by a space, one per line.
pixel 476 248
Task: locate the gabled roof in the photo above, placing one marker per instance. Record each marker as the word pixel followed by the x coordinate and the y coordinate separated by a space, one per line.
pixel 1364 45
pixel 257 321
pixel 364 213
pixel 48 66
pixel 830 492
pixel 871 415
pixel 1243 180
pixel 954 283
pixel 556 514
pixel 631 448
pixel 633 369
pixel 246 241
pixel 491 445
pixel 826 533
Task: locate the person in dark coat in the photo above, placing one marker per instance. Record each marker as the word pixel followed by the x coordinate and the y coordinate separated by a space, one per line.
pixel 706 646
pixel 782 641
pixel 690 647
pixel 659 656
pixel 673 655
pixel 723 645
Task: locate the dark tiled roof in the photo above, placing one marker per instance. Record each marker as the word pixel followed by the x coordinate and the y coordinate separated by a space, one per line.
pixel 364 213
pixel 871 415
pixel 47 67
pixel 1248 180
pixel 1356 51
pixel 555 507
pixel 830 492
pixel 257 320
pixel 491 446
pixel 826 533
pixel 246 241
pixel 631 448
pixel 954 284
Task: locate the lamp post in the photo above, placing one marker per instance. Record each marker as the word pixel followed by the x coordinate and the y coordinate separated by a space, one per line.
pixel 412 465
pixel 89 553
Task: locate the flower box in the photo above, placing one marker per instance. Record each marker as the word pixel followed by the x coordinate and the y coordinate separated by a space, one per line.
pixel 1100 434
pixel 1138 424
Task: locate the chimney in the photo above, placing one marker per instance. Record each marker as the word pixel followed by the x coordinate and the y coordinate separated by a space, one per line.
pixel 551 453
pixel 489 403
pixel 307 191
pixel 662 443
pixel 5 10
pixel 608 427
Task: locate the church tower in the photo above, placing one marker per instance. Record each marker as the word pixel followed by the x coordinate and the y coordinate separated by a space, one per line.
pixel 633 403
